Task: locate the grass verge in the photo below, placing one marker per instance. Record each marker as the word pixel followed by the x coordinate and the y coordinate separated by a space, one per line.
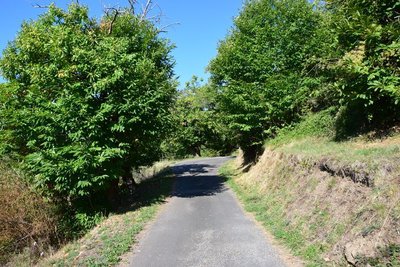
pixel 315 137
pixel 106 243
pixel 269 213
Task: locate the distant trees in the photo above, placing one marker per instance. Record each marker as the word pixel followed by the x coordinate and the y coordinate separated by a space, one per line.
pixel 196 129
pixel 89 100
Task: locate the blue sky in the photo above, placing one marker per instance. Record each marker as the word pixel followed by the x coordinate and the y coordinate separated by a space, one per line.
pixel 201 25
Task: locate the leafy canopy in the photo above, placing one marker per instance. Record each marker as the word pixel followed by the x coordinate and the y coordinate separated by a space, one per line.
pixel 89 100
pixel 261 66
pixel 368 73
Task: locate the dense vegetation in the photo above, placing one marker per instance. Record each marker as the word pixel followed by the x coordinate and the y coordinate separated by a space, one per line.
pixel 197 130
pixel 87 101
pixel 90 104
pixel 263 71
pixel 284 58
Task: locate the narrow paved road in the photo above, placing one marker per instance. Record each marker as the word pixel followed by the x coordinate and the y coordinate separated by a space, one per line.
pixel 203 225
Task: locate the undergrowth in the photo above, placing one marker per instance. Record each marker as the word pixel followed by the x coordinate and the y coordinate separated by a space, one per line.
pixel 31 227
pixel 320 125
pixel 26 219
pixel 106 243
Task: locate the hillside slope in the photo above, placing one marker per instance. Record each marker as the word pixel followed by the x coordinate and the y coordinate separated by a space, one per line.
pixel 333 203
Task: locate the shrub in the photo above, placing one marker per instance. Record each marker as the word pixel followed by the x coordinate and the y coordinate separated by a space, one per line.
pixel 26 219
pixel 320 124
pixel 368 73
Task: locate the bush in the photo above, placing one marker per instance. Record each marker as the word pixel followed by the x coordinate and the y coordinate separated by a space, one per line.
pixel 320 124
pixel 26 219
pixel 368 73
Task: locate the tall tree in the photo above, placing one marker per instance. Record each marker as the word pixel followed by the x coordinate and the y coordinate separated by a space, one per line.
pixel 90 99
pixel 261 68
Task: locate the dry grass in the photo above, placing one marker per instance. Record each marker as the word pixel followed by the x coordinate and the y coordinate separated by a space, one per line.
pixel 28 224
pixel 374 153
pixel 324 218
pixel 103 245
pixel 26 219
pixel 145 173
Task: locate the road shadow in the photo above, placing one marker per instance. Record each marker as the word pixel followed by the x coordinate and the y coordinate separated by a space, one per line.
pixel 149 192
pixel 183 181
pixel 191 168
pixel 194 180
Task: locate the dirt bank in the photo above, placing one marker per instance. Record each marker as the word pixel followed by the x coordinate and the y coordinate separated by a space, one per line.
pixel 340 212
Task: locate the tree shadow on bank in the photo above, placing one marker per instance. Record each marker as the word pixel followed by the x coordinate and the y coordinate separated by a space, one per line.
pixel 377 121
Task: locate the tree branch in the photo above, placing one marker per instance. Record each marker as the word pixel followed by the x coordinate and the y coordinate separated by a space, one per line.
pixel 39 6
pixel 162 29
pixel 132 4
pixel 114 17
pixel 146 9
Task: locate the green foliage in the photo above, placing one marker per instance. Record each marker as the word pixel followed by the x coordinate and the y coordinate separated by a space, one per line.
pixel 321 124
pixel 114 236
pixel 89 100
pixel 197 128
pixel 76 222
pixel 368 73
pixel 285 58
pixel 266 69
pixel 7 137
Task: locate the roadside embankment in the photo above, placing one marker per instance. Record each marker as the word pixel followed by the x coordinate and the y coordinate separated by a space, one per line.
pixel 332 204
pixel 27 214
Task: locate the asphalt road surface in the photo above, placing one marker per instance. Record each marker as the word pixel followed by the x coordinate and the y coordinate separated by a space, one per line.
pixel 202 225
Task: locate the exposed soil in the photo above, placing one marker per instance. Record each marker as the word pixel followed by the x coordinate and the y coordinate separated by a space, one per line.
pixel 349 211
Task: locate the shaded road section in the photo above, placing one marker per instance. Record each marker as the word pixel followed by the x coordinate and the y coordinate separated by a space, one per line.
pixel 203 225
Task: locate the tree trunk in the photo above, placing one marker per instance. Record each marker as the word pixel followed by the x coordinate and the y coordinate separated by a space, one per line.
pixel 130 186
pixel 251 154
pixel 112 193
